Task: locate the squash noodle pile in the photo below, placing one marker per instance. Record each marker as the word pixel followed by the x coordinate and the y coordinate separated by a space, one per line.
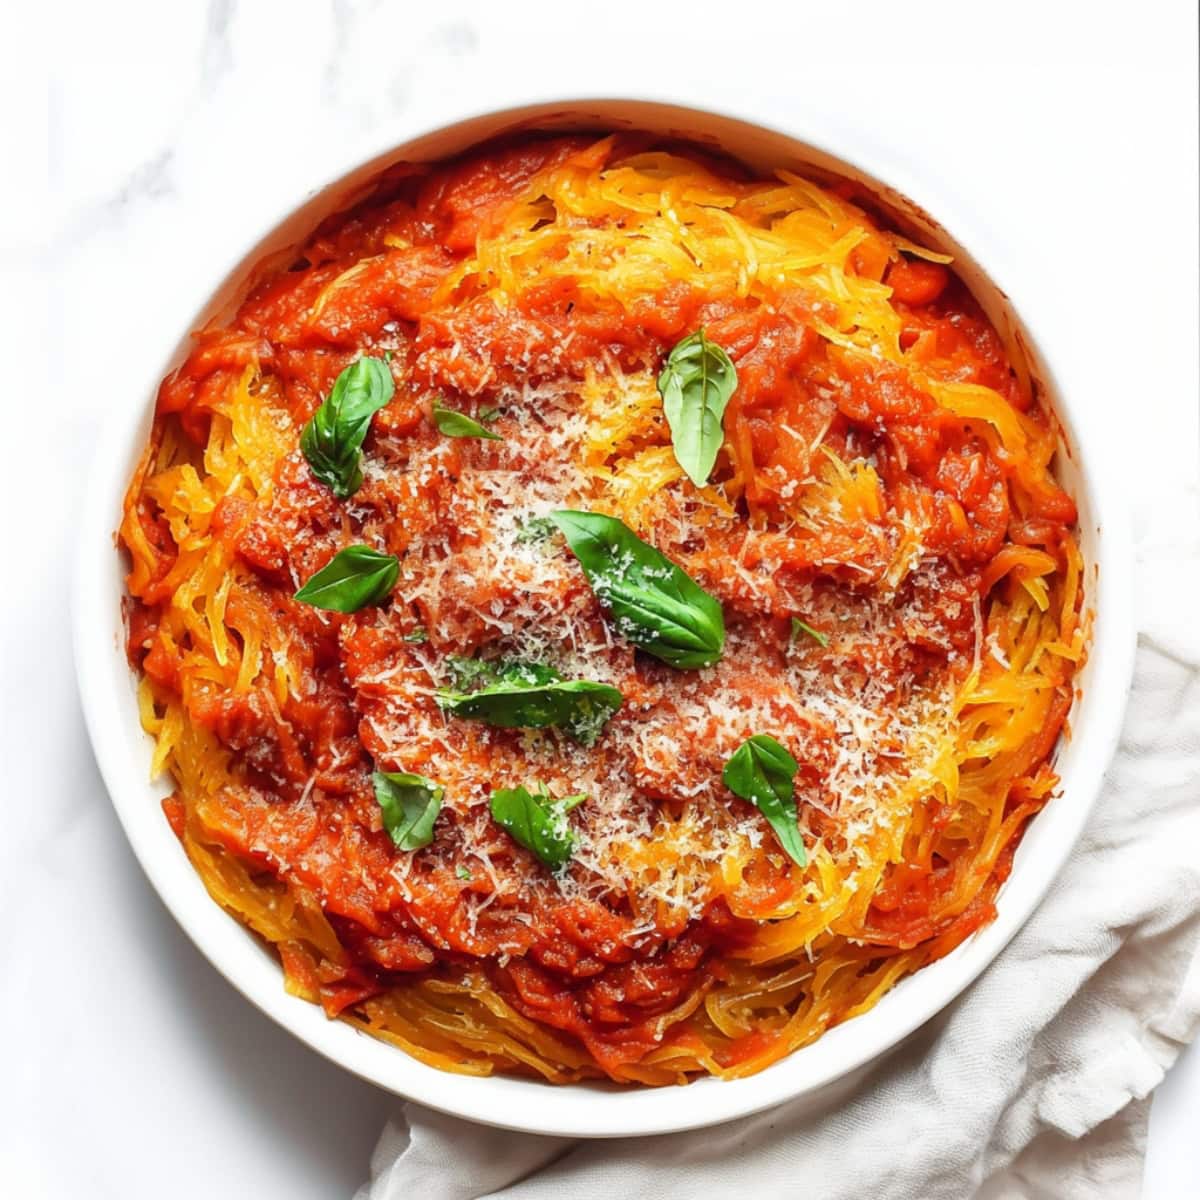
pixel 901 870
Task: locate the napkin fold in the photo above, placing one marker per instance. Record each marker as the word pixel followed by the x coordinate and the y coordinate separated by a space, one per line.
pixel 1033 1083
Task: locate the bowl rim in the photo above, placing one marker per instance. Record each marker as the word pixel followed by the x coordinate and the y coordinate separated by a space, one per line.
pixel 584 1110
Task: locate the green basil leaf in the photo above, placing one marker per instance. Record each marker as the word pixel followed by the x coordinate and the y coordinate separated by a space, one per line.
pixel 761 770
pixel 416 637
pixel 536 529
pixel 332 440
pixel 410 805
pixel 468 673
pixel 520 672
pixel 459 425
pixel 799 627
pixel 530 696
pixel 353 578
pixel 537 821
pixel 471 674
pixel 654 603
pixel 695 385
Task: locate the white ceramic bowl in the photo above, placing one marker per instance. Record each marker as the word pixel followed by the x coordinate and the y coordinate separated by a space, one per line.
pixel 594 1110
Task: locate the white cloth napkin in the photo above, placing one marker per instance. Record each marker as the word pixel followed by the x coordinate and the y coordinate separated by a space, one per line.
pixel 1032 1084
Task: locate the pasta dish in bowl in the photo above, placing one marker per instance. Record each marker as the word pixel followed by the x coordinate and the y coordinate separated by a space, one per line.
pixel 605 610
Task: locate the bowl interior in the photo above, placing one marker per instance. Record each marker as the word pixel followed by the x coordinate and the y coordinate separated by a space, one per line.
pixel 123 751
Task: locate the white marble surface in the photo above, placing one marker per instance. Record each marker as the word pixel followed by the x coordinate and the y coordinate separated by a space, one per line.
pixel 140 140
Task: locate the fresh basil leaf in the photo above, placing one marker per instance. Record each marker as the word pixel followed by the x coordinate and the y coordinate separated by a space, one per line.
pixel 536 529
pixel 761 770
pixel 537 821
pixel 654 603
pixel 459 425
pixel 353 578
pixel 410 805
pixel 525 698
pixel 520 673
pixel 695 385
pixel 332 440
pixel 799 627
pixel 470 674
